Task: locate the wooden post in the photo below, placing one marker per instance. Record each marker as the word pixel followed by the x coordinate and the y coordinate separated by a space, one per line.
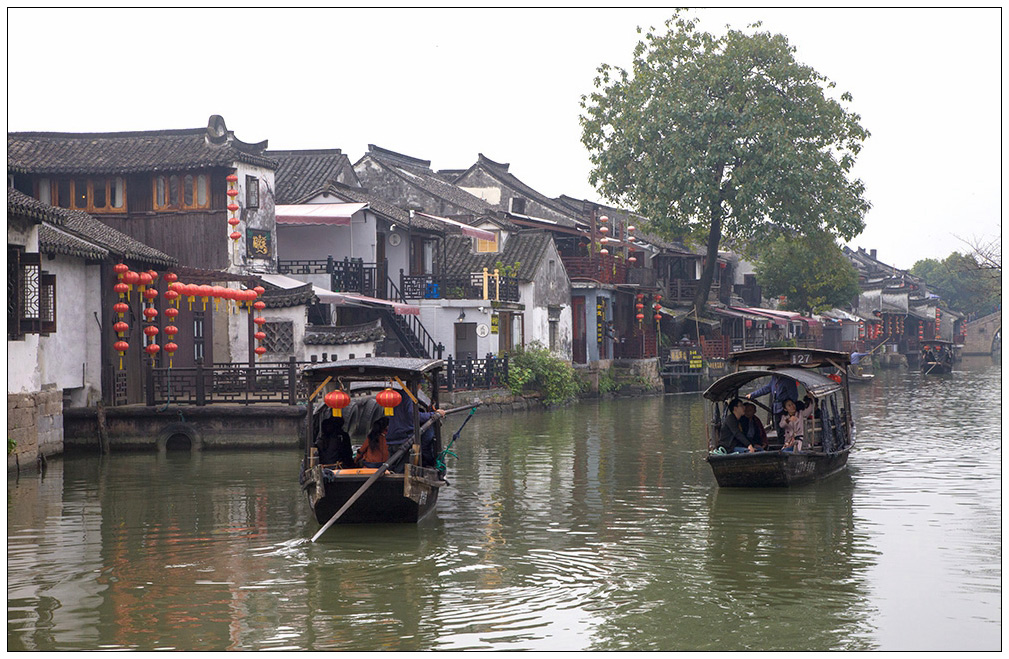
pixel 201 386
pixel 292 382
pixel 450 375
pixel 149 384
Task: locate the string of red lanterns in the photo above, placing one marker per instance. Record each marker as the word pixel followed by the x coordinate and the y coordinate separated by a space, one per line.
pixel 233 208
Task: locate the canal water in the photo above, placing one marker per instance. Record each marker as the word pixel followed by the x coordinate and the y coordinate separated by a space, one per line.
pixel 596 527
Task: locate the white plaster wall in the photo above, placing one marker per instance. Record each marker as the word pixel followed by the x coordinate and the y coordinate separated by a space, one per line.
pixel 23 356
pixel 263 218
pixel 340 352
pixel 492 195
pixel 63 356
pixel 440 316
pixel 313 242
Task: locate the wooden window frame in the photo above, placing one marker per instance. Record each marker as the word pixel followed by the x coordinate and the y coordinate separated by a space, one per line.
pixel 29 310
pixel 481 245
pixel 89 193
pixel 251 191
pixel 180 192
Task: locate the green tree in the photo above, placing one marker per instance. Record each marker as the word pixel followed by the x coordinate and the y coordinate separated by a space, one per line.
pixel 729 136
pixel 810 271
pixel 962 282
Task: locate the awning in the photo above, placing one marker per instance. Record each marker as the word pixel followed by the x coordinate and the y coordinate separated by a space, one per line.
pixel 357 300
pixel 350 299
pixel 331 214
pixel 708 322
pixel 466 229
pixel 777 320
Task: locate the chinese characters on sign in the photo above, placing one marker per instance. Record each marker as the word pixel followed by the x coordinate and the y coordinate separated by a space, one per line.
pixel 258 244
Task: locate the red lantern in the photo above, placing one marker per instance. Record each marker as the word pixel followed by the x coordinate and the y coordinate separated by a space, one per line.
pixel 120 307
pixel 749 324
pixel 604 219
pixel 603 229
pixel 337 400
pixel 388 399
pixel 130 277
pixel 640 317
pixel 152 349
pixel 604 251
pixel 150 313
pixel 259 320
pixel 233 207
pixel 151 294
pixel 171 330
pixel 630 229
pixel 259 305
pixel 260 336
pixel 658 317
pixel 171 278
pixel 151 331
pixel 232 193
pixel 121 288
pixel 121 328
pixel 260 350
pixel 171 313
pixel 232 178
pixel 121 347
pixel 234 221
pixel 235 236
pixel 171 295
pixel 657 297
pixel 153 274
pixel 639 297
pixel 632 259
pixel 170 348
pixel 144 280
pixel 120 269
pixel 639 306
pixel 259 290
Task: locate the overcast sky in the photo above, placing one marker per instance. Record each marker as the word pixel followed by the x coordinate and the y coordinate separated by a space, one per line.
pixel 445 85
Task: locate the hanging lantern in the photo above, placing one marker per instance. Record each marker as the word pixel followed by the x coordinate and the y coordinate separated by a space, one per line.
pixel 151 331
pixel 171 330
pixel 337 400
pixel 748 323
pixel 121 308
pixel 259 305
pixel 232 178
pixel 640 317
pixel 260 351
pixel 121 328
pixel 170 349
pixel 153 274
pixel 604 219
pixel 150 313
pixel 658 317
pixel 604 251
pixel 235 236
pixel 171 313
pixel 259 320
pixel 152 350
pixel 656 297
pixel 631 229
pixel 171 278
pixel 604 239
pixel 260 336
pixel 120 269
pixel 639 306
pixel 632 259
pixel 121 347
pixel 639 297
pixel 232 192
pixel 604 229
pixel 172 296
pixel 233 221
pixel 388 399
pixel 233 207
pixel 151 294
pixel 144 280
pixel 121 288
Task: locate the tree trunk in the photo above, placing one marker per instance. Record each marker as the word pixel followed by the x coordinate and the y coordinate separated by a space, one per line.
pixel 711 260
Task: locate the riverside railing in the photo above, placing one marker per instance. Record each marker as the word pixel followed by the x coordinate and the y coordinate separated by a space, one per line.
pixel 242 384
pixel 465 374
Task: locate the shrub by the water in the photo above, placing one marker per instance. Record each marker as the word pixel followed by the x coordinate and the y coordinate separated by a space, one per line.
pixel 534 368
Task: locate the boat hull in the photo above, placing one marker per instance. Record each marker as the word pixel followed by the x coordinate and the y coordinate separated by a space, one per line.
pixel 775 468
pixel 385 502
pixel 936 368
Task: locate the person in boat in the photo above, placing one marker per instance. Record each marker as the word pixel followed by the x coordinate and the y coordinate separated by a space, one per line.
pixel 401 430
pixel 793 422
pixel 730 435
pixel 781 389
pixel 856 357
pixel 375 450
pixel 753 427
pixel 334 444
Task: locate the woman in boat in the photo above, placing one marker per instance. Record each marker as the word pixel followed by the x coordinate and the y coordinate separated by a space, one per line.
pixel 374 452
pixel 334 444
pixel 753 428
pixel 793 421
pixel 781 389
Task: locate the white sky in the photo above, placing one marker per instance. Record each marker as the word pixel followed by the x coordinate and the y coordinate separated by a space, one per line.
pixel 445 85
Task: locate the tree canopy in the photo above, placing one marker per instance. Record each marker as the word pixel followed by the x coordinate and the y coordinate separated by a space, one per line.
pixel 963 282
pixel 711 136
pixel 810 271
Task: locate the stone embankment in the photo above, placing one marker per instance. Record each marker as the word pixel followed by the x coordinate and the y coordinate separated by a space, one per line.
pixel 34 429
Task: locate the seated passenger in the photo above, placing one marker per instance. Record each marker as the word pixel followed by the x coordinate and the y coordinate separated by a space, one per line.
pixel 401 430
pixel 793 421
pixel 374 452
pixel 334 444
pixel 730 436
pixel 753 427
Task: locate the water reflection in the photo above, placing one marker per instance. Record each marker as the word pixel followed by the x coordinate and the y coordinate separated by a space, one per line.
pixel 594 527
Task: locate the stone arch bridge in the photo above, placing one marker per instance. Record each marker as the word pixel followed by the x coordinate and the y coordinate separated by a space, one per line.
pixel 984 335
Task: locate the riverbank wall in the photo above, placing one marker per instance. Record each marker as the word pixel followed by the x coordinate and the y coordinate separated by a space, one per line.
pixel 34 429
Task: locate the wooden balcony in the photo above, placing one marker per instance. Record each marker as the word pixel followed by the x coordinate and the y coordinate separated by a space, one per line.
pixel 602 268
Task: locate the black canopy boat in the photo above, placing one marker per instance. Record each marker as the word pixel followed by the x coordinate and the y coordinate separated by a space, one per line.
pixel 398 495
pixel 936 357
pixel 830 431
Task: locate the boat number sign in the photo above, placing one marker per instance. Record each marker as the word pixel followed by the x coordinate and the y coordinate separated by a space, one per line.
pixel 800 358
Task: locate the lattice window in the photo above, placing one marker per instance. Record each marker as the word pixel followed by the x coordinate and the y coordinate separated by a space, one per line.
pixel 31 295
pixel 279 337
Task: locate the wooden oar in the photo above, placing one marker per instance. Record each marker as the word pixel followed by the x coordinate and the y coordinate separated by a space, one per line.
pixel 384 468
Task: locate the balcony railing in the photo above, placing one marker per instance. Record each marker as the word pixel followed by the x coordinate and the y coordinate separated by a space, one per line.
pixel 244 384
pixel 683 291
pixel 346 276
pixel 475 286
pixel 603 268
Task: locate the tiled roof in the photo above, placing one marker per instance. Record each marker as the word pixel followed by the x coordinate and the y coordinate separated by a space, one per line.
pixel 500 172
pixel 53 240
pixel 123 153
pixel 624 218
pixel 382 207
pixel 88 228
pixel 279 298
pixel 525 248
pixel 335 336
pixel 418 173
pixel 302 173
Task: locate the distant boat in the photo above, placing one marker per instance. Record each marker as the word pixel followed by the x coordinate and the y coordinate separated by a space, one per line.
pixel 406 497
pixel 936 357
pixel 830 433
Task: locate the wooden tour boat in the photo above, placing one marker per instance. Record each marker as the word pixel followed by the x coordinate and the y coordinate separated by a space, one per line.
pixel 830 432
pixel 402 490
pixel 936 357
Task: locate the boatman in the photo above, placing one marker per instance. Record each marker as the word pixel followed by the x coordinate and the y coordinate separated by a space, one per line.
pixel 401 430
pixel 781 389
